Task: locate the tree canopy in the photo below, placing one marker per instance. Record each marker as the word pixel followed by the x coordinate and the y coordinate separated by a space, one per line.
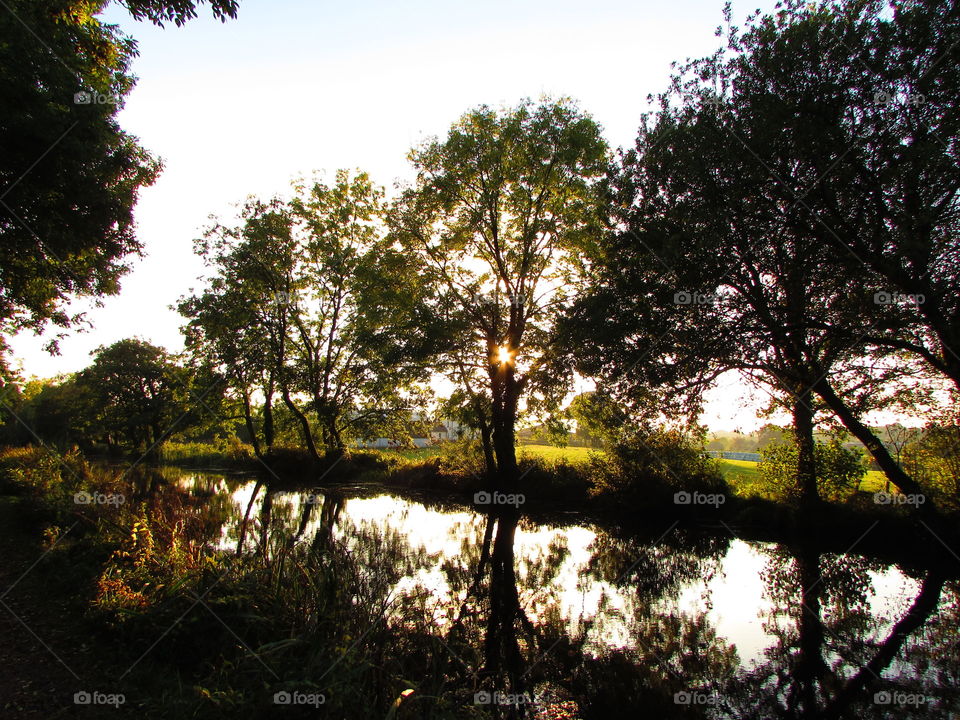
pixel 499 216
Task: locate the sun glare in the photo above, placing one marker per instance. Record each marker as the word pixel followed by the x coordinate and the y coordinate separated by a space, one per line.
pixel 503 355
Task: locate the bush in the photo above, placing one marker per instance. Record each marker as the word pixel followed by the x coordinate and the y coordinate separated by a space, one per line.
pixel 934 461
pixel 463 457
pixel 230 451
pixel 653 464
pixel 839 471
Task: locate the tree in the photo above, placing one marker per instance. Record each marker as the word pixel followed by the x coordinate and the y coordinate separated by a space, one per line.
pixel 598 416
pixel 717 261
pixel 498 217
pixel 140 394
pixel 308 302
pixel 839 471
pixel 69 175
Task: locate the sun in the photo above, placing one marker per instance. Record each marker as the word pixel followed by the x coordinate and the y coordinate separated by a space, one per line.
pixel 504 356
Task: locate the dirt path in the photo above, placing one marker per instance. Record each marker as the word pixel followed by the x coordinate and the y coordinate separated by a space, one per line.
pixel 45 657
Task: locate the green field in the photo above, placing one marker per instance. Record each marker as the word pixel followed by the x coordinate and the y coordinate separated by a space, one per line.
pixel 423 453
pixel 549 452
pixel 734 472
pixel 746 470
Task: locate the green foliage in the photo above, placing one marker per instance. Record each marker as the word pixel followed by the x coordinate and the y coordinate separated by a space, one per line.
pixel 598 416
pixel 178 11
pixel 462 457
pixel 649 465
pixel 139 395
pixel 70 175
pixel 309 302
pixel 934 459
pixel 839 471
pixel 497 219
pixel 229 451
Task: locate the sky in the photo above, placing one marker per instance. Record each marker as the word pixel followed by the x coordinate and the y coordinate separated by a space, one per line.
pixel 290 87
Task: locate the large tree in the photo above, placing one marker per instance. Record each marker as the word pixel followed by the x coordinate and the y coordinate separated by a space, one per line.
pixel 307 302
pixel 69 175
pixel 139 394
pixel 499 215
pixel 720 260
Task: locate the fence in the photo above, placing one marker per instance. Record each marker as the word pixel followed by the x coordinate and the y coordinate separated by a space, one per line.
pixel 726 454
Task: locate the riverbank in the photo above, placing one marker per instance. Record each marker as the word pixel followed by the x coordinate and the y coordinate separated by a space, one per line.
pixel 190 621
pixel 561 485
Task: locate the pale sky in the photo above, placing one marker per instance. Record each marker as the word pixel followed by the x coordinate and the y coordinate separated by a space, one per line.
pixel 292 87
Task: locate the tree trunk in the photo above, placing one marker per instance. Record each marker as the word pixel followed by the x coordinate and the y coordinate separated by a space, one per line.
pixel 485 441
pixel 304 423
pixel 336 439
pixel 877 449
pixel 268 428
pixel 806 462
pixel 506 393
pixel 251 430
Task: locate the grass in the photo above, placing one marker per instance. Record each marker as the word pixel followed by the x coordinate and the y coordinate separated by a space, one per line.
pixel 424 453
pixel 739 470
pixel 745 471
pixel 568 454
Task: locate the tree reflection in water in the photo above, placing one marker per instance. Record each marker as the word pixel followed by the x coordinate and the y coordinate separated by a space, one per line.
pixel 489 625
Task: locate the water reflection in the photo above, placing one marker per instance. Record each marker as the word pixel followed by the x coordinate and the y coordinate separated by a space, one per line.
pixel 552 621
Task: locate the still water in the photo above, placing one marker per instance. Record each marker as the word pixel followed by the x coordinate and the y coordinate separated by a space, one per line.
pixel 680 622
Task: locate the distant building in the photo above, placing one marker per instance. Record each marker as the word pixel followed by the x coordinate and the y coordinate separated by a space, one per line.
pixel 441 432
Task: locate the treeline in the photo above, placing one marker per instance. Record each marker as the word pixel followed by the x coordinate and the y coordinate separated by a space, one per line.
pixel 789 212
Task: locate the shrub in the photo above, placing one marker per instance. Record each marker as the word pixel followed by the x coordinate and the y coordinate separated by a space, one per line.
pixel 839 471
pixel 652 464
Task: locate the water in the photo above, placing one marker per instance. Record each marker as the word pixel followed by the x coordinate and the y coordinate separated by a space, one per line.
pixel 573 620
